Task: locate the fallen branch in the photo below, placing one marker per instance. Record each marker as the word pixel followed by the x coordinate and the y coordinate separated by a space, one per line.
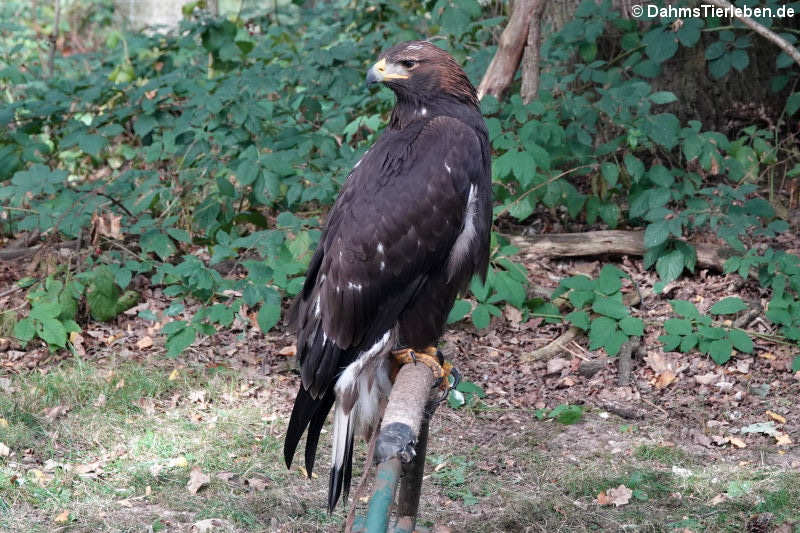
pixel 16 253
pixel 552 349
pixel 614 242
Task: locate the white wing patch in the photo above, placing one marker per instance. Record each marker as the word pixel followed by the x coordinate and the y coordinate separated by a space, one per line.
pixel 461 247
pixel 447 167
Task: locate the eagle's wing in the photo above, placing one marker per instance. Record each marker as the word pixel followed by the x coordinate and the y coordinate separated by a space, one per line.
pixel 394 223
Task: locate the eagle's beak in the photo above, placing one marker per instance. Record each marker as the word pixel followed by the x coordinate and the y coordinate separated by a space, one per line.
pixel 383 71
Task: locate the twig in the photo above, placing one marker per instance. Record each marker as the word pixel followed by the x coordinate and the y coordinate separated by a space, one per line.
pixel 768 34
pixel 51 62
pixel 16 253
pixel 625 361
pixel 554 348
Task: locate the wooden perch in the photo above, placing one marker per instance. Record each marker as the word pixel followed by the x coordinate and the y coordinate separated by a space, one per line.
pixel 412 391
pixel 614 242
pixel 504 64
pixel 763 31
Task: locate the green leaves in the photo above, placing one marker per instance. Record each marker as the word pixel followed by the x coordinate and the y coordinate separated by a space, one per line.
pixel 612 324
pixel 104 298
pixel 563 414
pixel 695 330
pixel 466 393
pixel 728 306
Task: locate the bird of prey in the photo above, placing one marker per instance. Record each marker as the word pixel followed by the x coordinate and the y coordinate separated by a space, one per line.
pixel 410 228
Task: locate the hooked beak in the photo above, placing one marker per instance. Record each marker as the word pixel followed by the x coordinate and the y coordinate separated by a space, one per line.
pixel 383 71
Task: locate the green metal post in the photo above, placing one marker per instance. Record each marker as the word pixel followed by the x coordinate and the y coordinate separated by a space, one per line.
pixel 380 505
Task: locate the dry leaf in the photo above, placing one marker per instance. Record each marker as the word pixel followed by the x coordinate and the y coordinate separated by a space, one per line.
pixel 556 365
pixel 776 417
pixel 212 525
pixel 619 496
pixel 173 375
pixel 5 451
pixel 512 314
pixel 53 413
pixel 707 379
pixel 197 396
pixel 257 484
pixel 108 225
pixel 663 380
pixel 718 499
pixel 91 470
pixel 62 517
pixel 767 355
pixel 144 342
pixel 657 362
pixel 739 443
pixel 288 351
pixel 76 339
pixel 783 439
pixel 40 477
pixel 100 401
pixel 197 480
pixel 603 499
pixel 179 462
pixel 719 440
pixel 3 423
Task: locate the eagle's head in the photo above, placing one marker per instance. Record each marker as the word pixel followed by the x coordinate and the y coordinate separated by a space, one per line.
pixel 420 71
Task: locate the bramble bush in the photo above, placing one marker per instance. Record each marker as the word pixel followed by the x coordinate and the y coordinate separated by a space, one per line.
pixel 234 134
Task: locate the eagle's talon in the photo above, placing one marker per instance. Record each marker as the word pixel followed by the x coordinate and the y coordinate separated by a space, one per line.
pixel 429 357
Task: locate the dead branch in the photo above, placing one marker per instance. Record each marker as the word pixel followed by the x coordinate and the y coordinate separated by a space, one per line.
pixel 768 34
pixel 614 242
pixel 530 58
pixel 625 362
pixel 504 64
pixel 51 60
pixel 17 253
pixel 553 348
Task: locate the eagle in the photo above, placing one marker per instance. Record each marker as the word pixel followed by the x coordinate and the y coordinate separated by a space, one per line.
pixel 410 228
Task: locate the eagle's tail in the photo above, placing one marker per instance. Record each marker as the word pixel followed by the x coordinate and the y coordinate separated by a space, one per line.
pixel 342 463
pixel 360 390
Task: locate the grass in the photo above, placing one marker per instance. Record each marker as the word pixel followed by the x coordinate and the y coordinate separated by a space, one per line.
pixel 146 427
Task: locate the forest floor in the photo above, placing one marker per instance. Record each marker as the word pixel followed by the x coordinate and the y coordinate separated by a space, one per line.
pixel 120 438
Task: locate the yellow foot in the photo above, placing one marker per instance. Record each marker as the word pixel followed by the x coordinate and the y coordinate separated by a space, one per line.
pixel 430 358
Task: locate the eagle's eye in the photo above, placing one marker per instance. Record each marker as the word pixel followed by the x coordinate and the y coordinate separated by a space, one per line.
pixel 408 63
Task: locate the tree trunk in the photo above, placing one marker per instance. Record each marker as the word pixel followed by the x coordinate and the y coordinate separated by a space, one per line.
pixel 504 64
pixel 530 58
pixel 140 14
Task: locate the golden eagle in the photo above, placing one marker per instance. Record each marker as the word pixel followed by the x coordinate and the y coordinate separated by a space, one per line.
pixel 409 229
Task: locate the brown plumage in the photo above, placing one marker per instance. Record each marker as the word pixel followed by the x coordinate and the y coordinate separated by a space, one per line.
pixel 410 228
